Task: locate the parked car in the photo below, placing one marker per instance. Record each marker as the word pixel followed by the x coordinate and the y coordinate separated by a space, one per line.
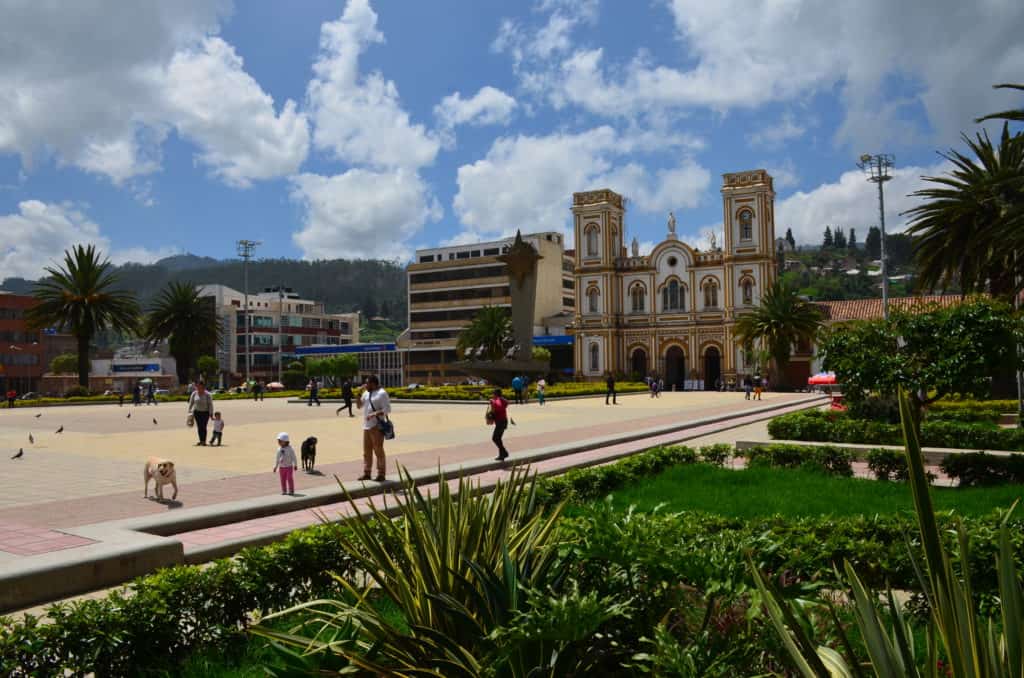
pixel 31 395
pixel 161 391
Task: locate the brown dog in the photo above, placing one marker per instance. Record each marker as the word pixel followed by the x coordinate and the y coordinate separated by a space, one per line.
pixel 162 473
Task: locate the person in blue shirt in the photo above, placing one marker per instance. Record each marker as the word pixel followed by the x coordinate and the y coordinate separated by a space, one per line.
pixel 517 389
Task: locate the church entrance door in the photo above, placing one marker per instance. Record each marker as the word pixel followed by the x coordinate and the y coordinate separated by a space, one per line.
pixel 639 363
pixel 712 368
pixel 675 368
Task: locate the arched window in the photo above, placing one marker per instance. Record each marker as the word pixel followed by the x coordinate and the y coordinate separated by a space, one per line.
pixel 593 233
pixel 595 358
pixel 673 296
pixel 638 295
pixel 711 294
pixel 746 225
pixel 748 291
pixel 593 300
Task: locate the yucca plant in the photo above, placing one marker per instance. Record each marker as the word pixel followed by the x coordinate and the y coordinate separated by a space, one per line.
pixel 957 636
pixel 464 571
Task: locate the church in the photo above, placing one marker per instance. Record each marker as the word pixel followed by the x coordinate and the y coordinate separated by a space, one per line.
pixel 670 314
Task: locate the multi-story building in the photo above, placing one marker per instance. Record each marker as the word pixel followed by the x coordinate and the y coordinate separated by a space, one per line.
pixel 449 285
pixel 671 312
pixel 24 353
pixel 279 322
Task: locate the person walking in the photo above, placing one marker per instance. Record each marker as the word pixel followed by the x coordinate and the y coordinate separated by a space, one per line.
pixel 758 386
pixel 137 394
pixel 200 406
pixel 12 395
pixel 314 392
pixel 285 463
pixel 346 395
pixel 257 391
pixel 517 389
pixel 498 413
pixel 747 387
pixel 541 385
pixel 218 430
pixel 151 393
pixel 609 383
pixel 376 406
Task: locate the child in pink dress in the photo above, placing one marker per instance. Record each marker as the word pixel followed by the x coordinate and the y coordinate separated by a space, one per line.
pixel 285 464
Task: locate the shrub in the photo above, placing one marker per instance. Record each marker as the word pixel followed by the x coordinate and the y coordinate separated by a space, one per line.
pixel 980 469
pixel 77 391
pixel 828 459
pixel 888 464
pixel 876 408
pixel 716 455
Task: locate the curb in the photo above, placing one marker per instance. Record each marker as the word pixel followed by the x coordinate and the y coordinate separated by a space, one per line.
pixel 932 455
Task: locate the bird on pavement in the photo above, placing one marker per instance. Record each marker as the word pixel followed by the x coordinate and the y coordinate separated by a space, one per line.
pixel 39 415
pixel 61 429
pixel 154 421
pixel 129 416
pixel 31 440
pixel 21 452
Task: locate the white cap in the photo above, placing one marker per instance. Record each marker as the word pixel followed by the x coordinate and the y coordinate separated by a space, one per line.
pixel 282 436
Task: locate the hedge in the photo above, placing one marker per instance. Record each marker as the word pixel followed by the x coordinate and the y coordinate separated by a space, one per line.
pixel 980 469
pixel 837 427
pixel 559 390
pixel 828 459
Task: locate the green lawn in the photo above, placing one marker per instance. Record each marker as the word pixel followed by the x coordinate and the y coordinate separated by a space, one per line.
pixel 763 491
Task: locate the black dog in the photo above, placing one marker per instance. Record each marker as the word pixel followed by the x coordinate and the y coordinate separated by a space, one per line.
pixel 308 454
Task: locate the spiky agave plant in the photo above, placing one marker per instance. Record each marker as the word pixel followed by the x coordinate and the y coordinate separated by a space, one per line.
pixel 973 647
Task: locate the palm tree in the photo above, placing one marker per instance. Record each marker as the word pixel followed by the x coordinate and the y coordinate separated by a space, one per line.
pixel 1013 114
pixel 81 297
pixel 782 320
pixel 178 313
pixel 970 230
pixel 491 329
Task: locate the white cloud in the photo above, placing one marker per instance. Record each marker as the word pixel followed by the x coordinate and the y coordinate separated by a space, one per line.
pixel 104 99
pixel 776 135
pixel 784 174
pixel 524 182
pixel 737 54
pixel 360 120
pixel 489 106
pixel 361 213
pixel 550 39
pixel 851 202
pixel 38 233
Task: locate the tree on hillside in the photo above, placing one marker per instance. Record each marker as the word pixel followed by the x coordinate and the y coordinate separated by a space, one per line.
pixel 781 321
pixel 491 330
pixel 899 249
pixel 369 307
pixel 65 363
pixel 82 297
pixel 851 242
pixel 827 242
pixel 970 228
pixel 932 354
pixel 839 239
pixel 790 239
pixel 873 243
pixel 188 321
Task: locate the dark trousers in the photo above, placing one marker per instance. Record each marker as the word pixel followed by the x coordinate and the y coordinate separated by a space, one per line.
pixel 202 418
pixel 499 430
pixel 215 437
pixel 346 406
pixel 313 395
pixel 10 402
pixel 610 393
pixel 518 395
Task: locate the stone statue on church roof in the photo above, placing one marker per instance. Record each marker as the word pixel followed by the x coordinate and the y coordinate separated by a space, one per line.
pixel 671 223
pixel 636 247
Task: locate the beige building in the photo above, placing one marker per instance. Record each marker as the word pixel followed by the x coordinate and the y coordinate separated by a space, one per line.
pixel 670 313
pixel 449 285
pixel 279 322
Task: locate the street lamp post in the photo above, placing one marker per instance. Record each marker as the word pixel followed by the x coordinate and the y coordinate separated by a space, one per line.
pixel 245 250
pixel 877 168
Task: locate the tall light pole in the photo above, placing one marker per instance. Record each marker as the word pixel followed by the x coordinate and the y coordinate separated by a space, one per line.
pixel 877 168
pixel 245 250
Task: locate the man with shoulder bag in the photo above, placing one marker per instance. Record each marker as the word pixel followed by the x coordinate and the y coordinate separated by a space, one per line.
pixel 377 428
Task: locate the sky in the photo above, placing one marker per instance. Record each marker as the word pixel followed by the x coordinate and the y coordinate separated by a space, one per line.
pixel 367 129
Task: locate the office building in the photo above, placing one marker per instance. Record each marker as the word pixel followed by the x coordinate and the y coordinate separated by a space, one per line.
pixel 25 354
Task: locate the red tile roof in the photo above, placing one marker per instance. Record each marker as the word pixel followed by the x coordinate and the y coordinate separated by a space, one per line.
pixel 871 309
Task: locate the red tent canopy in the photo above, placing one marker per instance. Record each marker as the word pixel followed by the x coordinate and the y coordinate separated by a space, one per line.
pixel 822 379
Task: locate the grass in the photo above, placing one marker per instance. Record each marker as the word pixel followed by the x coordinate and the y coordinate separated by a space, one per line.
pixel 758 492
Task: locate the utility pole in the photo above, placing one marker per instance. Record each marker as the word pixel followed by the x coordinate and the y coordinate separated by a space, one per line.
pixel 245 250
pixel 876 168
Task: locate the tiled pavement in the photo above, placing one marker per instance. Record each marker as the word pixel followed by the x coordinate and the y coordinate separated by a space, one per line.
pixel 22 540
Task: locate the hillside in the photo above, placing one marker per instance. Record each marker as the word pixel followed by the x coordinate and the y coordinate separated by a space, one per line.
pixel 371 286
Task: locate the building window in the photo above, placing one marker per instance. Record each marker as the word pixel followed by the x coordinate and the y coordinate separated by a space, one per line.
pixel 593 300
pixel 638 295
pixel 593 233
pixel 595 358
pixel 748 291
pixel 746 225
pixel 711 294
pixel 673 297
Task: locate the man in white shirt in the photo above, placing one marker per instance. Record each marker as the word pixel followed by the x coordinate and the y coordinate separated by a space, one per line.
pixel 376 407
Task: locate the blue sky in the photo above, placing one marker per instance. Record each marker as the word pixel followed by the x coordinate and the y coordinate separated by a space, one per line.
pixel 369 128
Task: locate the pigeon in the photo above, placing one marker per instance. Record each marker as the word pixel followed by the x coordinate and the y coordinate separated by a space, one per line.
pixel 39 415
pixel 154 421
pixel 19 454
pixel 31 440
pixel 129 416
pixel 61 429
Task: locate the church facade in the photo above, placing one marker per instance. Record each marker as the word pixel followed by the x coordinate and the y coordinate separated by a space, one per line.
pixel 670 314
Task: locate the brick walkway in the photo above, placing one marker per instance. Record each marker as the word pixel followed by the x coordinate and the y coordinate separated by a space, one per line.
pixel 23 540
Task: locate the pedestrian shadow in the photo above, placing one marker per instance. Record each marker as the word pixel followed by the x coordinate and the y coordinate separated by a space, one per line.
pixel 169 503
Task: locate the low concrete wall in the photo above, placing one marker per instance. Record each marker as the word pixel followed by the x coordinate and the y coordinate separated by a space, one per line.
pixel 932 455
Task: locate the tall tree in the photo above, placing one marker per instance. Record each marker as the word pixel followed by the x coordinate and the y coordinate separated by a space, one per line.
pixel 970 227
pixel 491 330
pixel 1012 114
pixel 82 296
pixel 873 243
pixel 851 242
pixel 790 239
pixel 782 320
pixel 839 239
pixel 369 307
pixel 190 324
pixel 827 242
